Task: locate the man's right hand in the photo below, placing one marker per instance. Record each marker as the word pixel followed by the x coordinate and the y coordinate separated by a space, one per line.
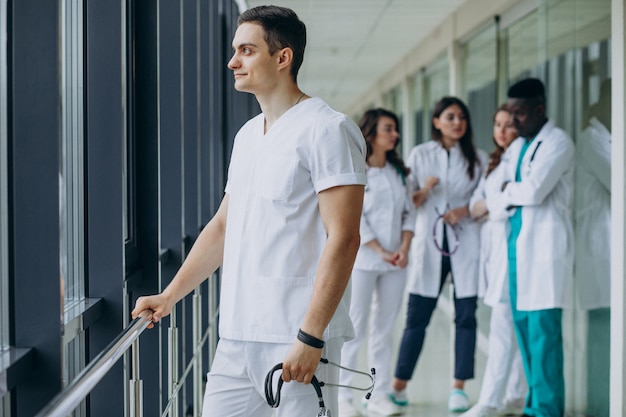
pixel 160 305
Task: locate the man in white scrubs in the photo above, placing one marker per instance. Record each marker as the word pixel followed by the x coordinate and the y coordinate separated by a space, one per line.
pixel 286 233
pixel 540 243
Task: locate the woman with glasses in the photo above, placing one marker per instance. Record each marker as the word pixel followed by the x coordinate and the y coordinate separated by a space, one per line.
pixel 379 274
pixel 444 173
pixel 504 371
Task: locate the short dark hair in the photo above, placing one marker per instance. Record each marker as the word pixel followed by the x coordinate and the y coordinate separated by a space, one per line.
pixel 283 29
pixel 530 89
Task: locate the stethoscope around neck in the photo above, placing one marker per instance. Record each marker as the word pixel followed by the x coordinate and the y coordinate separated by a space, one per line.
pixel 273 400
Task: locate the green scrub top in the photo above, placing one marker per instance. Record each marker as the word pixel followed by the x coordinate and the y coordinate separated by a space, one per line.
pixel 516 219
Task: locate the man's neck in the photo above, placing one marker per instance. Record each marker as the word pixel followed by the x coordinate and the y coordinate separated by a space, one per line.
pixel 278 101
pixel 536 132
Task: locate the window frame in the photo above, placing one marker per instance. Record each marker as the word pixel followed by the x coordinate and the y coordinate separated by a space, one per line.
pixel 4 193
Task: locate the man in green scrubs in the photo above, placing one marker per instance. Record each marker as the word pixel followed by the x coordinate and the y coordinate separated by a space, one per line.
pixel 540 244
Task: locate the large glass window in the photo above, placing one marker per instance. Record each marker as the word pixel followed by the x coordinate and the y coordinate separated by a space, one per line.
pixel 435 84
pixel 480 85
pixel 4 261
pixel 71 189
pixel 566 43
pixel 417 100
pixel 71 178
pixel 393 102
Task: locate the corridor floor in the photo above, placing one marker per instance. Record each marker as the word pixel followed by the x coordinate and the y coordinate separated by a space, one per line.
pixel 432 380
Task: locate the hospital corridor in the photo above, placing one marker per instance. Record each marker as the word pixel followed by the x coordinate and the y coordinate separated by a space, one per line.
pixel 195 191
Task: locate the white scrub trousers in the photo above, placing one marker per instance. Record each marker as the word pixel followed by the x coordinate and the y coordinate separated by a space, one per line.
pixel 376 300
pixel 504 372
pixel 235 384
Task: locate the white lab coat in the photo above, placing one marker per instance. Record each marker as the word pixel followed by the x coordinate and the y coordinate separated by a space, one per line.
pixel 545 246
pixel 387 212
pixel 493 267
pixel 454 190
pixel 593 216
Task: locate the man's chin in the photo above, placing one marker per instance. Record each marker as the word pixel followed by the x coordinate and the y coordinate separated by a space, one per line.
pixel 241 88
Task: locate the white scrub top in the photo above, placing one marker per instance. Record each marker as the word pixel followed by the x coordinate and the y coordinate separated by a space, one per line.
pixel 493 267
pixel 387 212
pixel 545 245
pixel 454 190
pixel 593 216
pixel 274 232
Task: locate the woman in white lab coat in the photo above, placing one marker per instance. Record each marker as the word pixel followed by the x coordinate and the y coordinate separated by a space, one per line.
pixel 503 387
pixel 444 173
pixel 379 274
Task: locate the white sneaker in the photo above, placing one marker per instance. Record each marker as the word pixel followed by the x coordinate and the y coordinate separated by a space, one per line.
pixel 346 409
pixel 512 407
pixel 458 401
pixel 383 406
pixel 399 398
pixel 479 410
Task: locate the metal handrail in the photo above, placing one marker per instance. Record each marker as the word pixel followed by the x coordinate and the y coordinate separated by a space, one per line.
pixel 68 399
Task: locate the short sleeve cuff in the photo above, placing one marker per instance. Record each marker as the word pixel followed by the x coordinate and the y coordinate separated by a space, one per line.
pixel 339 180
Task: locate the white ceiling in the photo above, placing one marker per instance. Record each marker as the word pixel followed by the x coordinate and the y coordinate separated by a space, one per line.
pixel 352 43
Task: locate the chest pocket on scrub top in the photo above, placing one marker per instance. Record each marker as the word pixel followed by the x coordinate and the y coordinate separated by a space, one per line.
pixel 277 177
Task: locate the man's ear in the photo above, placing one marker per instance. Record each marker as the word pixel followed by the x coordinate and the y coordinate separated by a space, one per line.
pixel 285 58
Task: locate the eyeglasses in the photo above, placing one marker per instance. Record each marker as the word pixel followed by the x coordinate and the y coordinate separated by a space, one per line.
pixel 455 228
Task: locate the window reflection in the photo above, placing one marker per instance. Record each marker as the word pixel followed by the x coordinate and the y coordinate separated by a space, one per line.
pixel 593 240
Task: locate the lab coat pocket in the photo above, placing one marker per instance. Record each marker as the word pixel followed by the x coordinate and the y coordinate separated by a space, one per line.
pixel 277 177
pixel 550 242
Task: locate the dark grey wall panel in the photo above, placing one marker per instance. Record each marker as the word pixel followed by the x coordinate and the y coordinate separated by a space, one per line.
pixel 104 204
pixel 34 104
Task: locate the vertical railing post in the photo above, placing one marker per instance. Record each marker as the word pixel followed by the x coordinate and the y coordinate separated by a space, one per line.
pixel 172 365
pixel 197 361
pixel 136 384
pixel 126 359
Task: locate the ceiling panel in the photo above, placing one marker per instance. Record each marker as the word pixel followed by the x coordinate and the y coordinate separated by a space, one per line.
pixel 352 43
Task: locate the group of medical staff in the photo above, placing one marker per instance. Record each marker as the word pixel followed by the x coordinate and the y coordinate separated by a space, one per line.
pixel 498 227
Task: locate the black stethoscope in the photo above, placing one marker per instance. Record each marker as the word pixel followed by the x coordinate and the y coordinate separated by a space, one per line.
pixel 274 400
pixel 455 230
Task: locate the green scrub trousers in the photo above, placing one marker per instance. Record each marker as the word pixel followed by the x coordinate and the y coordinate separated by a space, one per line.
pixel 539 337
